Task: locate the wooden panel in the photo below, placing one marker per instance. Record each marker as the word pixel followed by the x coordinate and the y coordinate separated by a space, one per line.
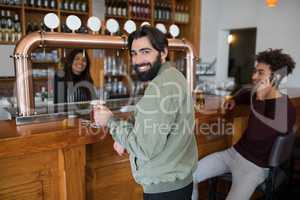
pixel 211 147
pixel 113 182
pixel 109 175
pixel 29 191
pixel 212 134
pixel 29 177
pixel 75 172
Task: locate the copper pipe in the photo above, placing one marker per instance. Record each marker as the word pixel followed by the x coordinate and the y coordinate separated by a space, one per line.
pixel 31 41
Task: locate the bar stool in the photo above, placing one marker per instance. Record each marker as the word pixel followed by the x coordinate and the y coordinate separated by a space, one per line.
pixel 280 156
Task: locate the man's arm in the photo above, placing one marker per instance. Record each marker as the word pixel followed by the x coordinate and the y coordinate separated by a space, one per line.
pixel 243 97
pixel 154 120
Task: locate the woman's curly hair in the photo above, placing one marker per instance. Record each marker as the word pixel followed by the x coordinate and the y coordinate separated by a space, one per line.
pixel 278 61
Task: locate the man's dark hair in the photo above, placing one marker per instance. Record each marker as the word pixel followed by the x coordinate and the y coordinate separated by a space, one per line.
pixel 278 61
pixel 157 39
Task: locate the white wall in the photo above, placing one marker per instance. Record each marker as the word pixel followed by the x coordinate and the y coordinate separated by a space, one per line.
pixel 6 63
pixel 276 28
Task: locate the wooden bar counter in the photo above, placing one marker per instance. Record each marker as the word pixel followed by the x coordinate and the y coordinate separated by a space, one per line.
pixel 63 160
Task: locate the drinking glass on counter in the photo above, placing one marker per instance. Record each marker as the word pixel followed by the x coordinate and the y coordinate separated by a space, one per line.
pixel 199 99
pixel 223 100
pixel 94 105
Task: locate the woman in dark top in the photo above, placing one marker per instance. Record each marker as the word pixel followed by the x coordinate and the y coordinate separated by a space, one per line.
pixel 271 115
pixel 74 83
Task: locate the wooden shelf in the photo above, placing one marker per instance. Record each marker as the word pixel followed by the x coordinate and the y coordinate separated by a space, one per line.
pixel 7 43
pixel 44 63
pixel 9 6
pixel 181 23
pixel 42 78
pixel 140 19
pixel 8 78
pixel 65 12
pixel 37 9
pixel 164 21
pixel 116 17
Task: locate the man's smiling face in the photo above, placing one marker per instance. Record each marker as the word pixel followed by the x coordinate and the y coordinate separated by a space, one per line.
pixel 146 60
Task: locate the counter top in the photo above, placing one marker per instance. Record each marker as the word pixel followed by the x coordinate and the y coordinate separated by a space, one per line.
pixel 16 140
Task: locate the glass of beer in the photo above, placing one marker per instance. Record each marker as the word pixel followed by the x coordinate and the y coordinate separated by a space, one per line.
pixel 93 106
pixel 199 99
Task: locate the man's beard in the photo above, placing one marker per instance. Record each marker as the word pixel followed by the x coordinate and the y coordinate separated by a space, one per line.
pixel 149 74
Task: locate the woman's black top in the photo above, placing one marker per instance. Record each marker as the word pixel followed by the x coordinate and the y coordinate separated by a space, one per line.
pixel 74 90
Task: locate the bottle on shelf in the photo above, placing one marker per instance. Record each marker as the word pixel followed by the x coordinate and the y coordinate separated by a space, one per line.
pixel 31 3
pixel 163 11
pixel 84 7
pixel 186 13
pixel 4 33
pixel 78 6
pixel 158 11
pixel 16 35
pixel 10 26
pixel 177 10
pixel 114 87
pixel 119 8
pixel 114 8
pixel 46 4
pixel 72 5
pixel 169 11
pixel 107 7
pixel 139 9
pixel 44 94
pixel 1 25
pixel 51 57
pixel 114 66
pixel 134 8
pixel 108 86
pixel 11 2
pixel 124 8
pixel 110 11
pixel 66 5
pixel 147 9
pixel 52 4
pixel 39 3
pixel 181 13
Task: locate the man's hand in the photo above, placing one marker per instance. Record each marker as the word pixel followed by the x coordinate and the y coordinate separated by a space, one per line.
pixel 229 104
pixel 102 115
pixel 119 149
